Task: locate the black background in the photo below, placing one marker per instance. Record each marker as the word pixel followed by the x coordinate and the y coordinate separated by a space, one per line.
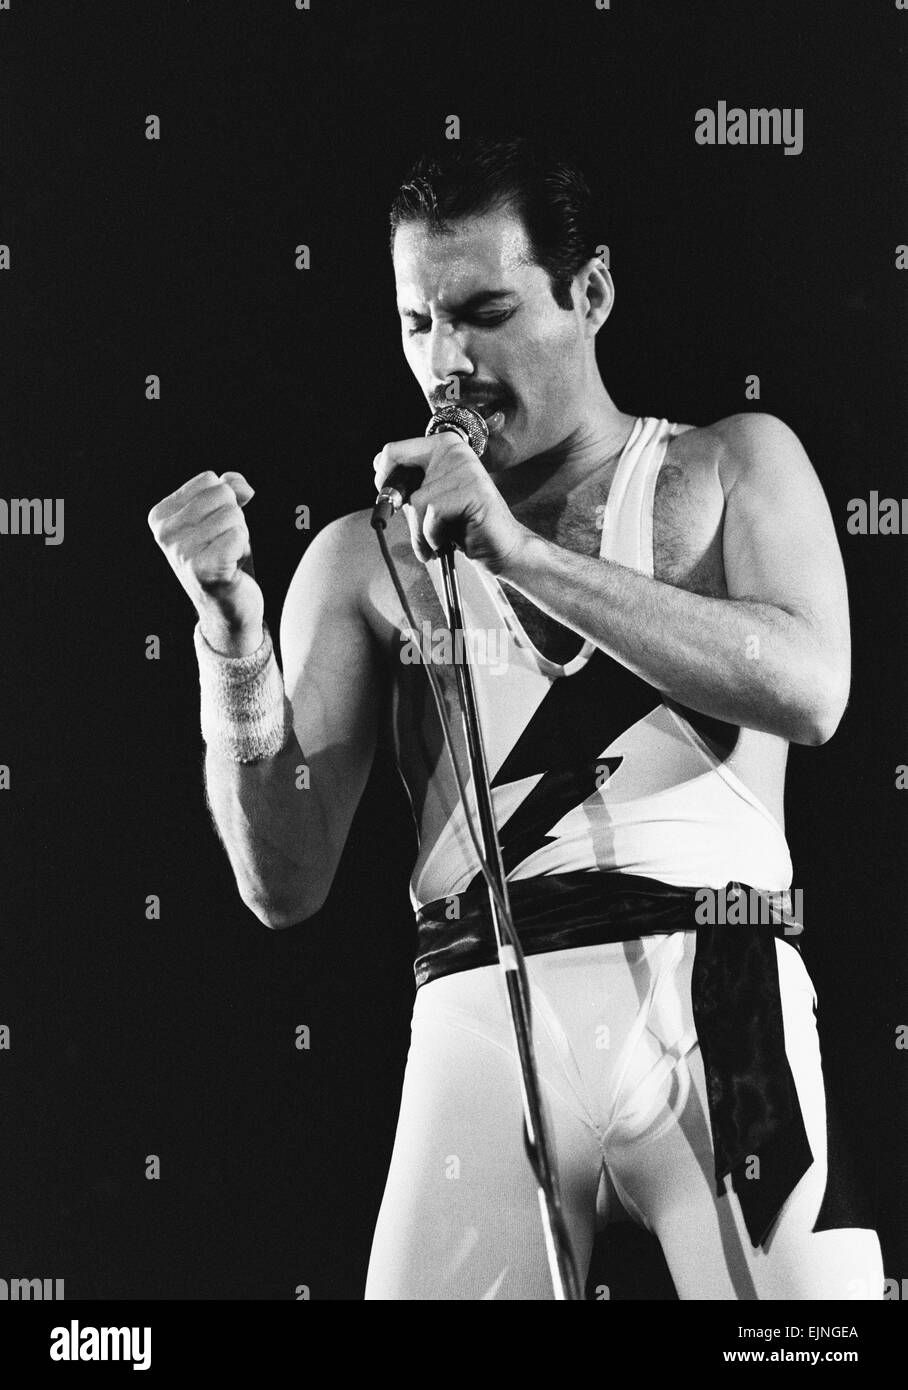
pixel 130 257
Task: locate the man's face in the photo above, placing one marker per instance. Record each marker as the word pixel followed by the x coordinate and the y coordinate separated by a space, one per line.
pixel 473 307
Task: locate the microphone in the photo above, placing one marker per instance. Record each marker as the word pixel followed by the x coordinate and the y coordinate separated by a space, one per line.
pixel 406 478
pixel 462 420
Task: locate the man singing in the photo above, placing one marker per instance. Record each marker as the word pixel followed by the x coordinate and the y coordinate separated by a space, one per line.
pixel 667 609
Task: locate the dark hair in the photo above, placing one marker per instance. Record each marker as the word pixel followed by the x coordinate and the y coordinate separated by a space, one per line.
pixel 466 178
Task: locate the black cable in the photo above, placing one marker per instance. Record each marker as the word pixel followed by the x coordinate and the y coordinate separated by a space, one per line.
pixel 520 997
pixel 544 1178
pixel 503 908
pixel 472 428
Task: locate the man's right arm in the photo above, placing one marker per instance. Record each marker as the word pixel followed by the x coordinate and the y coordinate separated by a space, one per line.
pixel 284 819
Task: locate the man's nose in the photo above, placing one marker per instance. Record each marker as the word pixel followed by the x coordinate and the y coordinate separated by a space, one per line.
pixel 448 354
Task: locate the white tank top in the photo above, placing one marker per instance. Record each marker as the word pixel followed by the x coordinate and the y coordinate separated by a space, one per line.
pixel 590 768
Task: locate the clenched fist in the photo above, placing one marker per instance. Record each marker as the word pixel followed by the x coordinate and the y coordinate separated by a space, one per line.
pixel 202 531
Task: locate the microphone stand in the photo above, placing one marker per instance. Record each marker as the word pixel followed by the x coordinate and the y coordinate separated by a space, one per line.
pixel 472 429
pixel 536 1139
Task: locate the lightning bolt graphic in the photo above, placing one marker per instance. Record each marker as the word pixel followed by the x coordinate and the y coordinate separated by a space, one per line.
pixel 578 717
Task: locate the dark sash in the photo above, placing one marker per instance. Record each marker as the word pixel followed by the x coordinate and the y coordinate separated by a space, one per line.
pixel 753 1104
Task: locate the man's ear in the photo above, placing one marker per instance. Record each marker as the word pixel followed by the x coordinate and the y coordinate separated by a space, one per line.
pixel 597 290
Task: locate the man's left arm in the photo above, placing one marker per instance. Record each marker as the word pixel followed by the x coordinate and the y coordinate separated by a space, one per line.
pixel 775 654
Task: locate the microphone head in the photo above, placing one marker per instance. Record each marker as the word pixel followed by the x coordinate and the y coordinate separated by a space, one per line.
pixel 462 419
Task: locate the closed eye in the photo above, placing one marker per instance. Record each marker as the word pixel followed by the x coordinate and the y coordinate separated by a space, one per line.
pixel 490 320
pixel 480 321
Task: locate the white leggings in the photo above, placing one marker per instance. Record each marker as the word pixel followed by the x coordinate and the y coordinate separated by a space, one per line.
pixel 623 1084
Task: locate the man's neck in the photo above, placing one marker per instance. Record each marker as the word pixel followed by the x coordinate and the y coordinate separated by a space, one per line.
pixel 590 447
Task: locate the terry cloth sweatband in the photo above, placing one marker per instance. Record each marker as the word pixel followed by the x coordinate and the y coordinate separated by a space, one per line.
pixel 245 712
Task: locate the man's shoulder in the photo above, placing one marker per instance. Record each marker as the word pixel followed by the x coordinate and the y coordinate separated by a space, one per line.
pixel 346 546
pixel 736 444
pixel 338 563
pixel 353 526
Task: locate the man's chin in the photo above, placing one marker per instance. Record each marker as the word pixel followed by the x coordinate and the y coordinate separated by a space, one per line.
pixel 500 453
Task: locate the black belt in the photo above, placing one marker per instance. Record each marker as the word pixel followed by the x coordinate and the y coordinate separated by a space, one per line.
pixel 753 1104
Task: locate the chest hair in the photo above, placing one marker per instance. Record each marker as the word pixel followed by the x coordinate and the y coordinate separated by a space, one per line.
pixel 687 549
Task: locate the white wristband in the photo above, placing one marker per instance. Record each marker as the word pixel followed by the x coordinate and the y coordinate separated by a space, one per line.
pixel 245 711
